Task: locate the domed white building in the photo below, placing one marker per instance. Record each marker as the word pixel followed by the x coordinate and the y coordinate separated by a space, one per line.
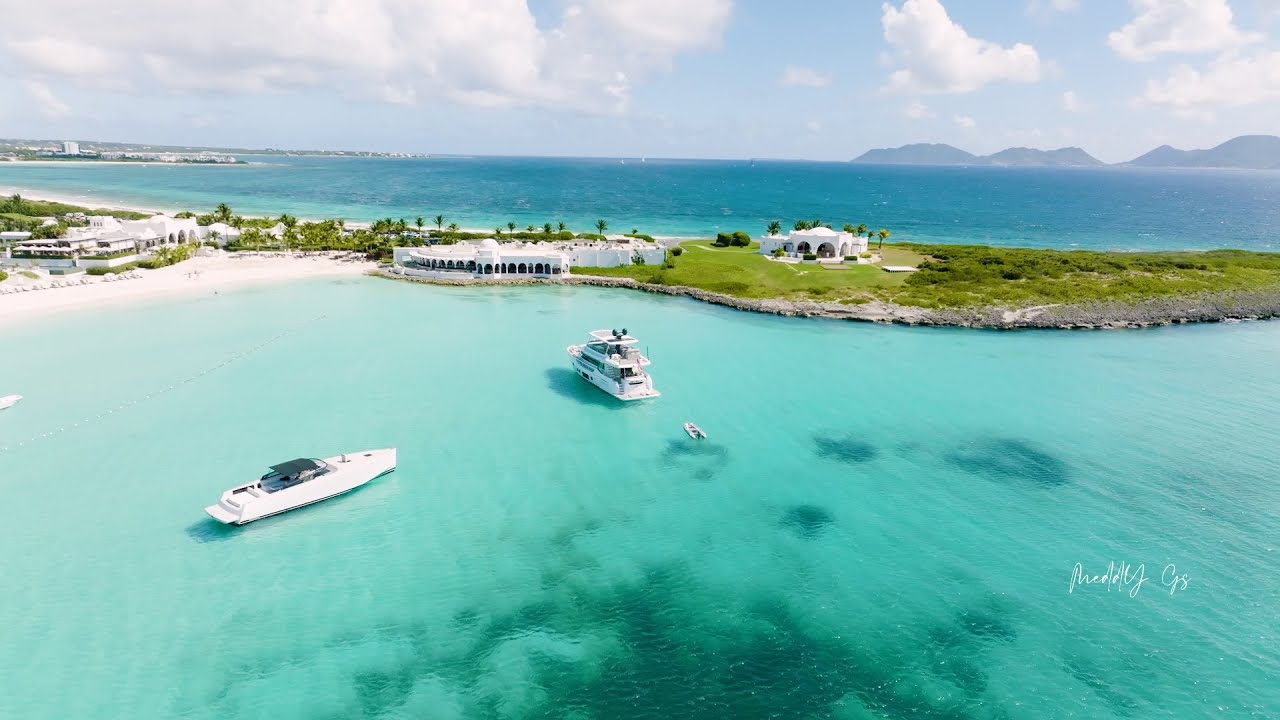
pixel 821 241
pixel 486 258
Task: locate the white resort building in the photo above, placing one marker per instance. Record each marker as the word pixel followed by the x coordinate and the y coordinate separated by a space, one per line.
pixel 821 241
pixel 106 242
pixel 489 258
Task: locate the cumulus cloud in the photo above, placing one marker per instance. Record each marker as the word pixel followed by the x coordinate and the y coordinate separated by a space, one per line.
pixel 803 76
pixel 919 111
pixel 964 121
pixel 1230 81
pixel 48 103
pixel 939 56
pixel 478 52
pixel 1178 26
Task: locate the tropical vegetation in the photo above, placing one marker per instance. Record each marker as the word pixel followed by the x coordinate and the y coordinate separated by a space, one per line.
pixel 957 276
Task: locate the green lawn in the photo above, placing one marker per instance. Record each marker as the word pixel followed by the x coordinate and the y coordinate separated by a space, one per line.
pixel 743 272
pixel 966 275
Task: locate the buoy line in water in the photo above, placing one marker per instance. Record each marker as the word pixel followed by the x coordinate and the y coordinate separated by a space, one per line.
pixel 150 396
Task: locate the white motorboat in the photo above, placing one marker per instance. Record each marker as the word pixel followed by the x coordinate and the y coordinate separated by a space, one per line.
pixel 694 431
pixel 612 363
pixel 9 401
pixel 300 482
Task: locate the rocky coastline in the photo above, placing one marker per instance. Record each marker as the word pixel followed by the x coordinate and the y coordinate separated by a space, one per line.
pixel 1219 307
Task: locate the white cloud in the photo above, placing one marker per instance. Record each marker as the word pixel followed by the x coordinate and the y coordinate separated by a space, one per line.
pixel 49 104
pixel 1230 81
pixel 1178 26
pixel 919 111
pixel 964 121
pixel 814 126
pixel 941 57
pixel 803 76
pixel 479 52
pixel 1072 102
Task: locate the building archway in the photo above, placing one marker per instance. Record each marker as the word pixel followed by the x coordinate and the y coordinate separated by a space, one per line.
pixel 488 269
pixel 538 269
pixel 471 265
pixel 522 268
pixel 172 239
pixel 826 250
pixel 804 248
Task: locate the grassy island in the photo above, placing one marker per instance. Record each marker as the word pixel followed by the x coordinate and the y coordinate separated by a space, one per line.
pixel 965 276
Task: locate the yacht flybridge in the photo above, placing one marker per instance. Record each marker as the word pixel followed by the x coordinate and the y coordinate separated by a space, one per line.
pixel 612 363
pixel 300 482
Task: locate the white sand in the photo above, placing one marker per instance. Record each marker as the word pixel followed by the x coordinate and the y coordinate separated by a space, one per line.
pixel 215 274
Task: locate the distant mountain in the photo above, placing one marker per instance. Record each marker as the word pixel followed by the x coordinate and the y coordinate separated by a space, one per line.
pixel 1062 157
pixel 946 155
pixel 1254 152
pixel 918 154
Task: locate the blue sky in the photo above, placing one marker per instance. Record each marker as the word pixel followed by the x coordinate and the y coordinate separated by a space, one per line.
pixel 818 79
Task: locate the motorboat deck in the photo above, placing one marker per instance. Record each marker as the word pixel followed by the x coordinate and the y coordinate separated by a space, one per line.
pixel 297 483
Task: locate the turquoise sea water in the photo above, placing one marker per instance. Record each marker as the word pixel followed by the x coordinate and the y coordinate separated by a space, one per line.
pixel 1101 209
pixel 883 524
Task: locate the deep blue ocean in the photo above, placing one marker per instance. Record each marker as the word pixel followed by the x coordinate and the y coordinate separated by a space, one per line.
pixel 1120 209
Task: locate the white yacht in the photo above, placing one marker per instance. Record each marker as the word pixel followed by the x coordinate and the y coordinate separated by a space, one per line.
pixel 301 482
pixel 612 363
pixel 9 401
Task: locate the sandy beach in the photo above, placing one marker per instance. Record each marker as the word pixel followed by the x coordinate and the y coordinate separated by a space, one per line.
pixel 193 277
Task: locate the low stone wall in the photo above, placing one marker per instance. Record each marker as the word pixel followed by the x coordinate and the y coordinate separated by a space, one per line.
pixel 1243 305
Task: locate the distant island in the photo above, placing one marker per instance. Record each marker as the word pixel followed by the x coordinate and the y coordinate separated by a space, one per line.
pixel 1253 152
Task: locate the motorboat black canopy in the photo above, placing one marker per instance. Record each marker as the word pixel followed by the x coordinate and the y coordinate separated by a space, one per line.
pixel 293 467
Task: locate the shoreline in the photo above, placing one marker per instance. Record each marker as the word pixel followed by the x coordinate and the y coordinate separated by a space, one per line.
pixel 1220 307
pixel 199 275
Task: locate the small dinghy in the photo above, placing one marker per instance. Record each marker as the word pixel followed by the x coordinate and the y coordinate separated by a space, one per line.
pixel 694 431
pixel 9 401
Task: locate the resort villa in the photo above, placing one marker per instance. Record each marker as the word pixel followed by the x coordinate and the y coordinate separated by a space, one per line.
pixel 821 241
pixel 490 259
pixel 106 242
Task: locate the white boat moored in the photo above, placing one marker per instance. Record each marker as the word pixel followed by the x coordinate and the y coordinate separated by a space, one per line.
pixel 612 363
pixel 9 401
pixel 694 431
pixel 301 482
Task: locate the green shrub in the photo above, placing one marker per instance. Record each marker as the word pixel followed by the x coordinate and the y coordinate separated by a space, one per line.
pixel 866 254
pixel 810 256
pixel 741 239
pixel 640 236
pixel 723 240
pixel 591 236
pixel 117 269
pixel 851 258
pixel 3 276
pixel 677 251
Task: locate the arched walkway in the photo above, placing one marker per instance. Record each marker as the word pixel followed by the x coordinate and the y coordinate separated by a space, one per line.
pixel 804 248
pixel 522 268
pixel 826 250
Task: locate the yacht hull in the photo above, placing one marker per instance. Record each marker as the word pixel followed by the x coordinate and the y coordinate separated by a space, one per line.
pixel 9 401
pixel 626 390
pixel 246 503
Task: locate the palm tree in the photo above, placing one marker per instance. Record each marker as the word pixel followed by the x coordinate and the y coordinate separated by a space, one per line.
pixel 497 231
pixel 453 227
pixel 801 225
pixel 601 226
pixel 859 231
pixel 528 228
pixel 815 224
pixel 511 226
pixel 401 226
pixel 883 234
pixel 221 213
pixel 288 221
pixel 560 227
pixel 546 229
pixel 419 222
pixel 439 221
